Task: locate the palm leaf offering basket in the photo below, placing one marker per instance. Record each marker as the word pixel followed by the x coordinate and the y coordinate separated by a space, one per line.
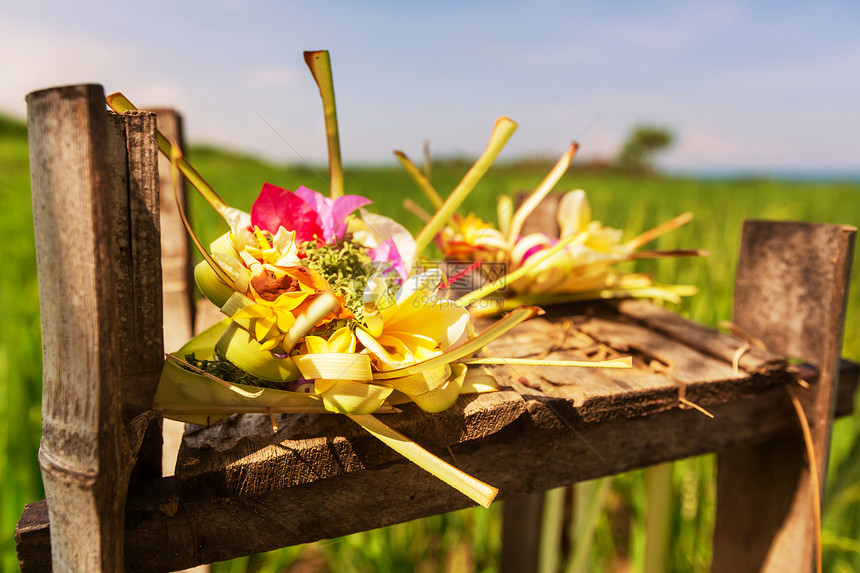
pixel 330 308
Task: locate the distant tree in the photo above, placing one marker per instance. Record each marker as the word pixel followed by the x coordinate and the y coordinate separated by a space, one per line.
pixel 644 142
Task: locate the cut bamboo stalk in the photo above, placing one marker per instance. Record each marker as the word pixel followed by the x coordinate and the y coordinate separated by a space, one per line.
pixel 320 65
pixel 84 453
pixel 474 489
pixel 658 517
pixel 502 132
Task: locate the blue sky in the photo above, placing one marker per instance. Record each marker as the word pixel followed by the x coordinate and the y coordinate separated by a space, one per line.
pixel 748 86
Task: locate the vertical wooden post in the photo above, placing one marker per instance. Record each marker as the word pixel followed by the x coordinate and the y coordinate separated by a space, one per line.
pixel 83 446
pixel 521 533
pixel 790 292
pixel 96 221
pixel 138 266
pixel 177 270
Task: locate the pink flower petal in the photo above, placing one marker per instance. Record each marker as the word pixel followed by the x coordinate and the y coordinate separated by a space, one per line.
pixel 313 198
pixel 532 251
pixel 536 249
pixel 342 208
pixel 387 252
pixel 332 212
pixel 276 207
pixel 322 205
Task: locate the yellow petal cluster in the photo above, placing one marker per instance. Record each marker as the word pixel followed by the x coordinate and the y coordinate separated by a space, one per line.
pixel 472 239
pixel 583 265
pixel 240 253
pixel 343 379
pixel 413 325
pixel 269 322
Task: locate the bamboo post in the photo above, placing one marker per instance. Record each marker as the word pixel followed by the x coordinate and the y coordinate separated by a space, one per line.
pixel 87 254
pixel 790 292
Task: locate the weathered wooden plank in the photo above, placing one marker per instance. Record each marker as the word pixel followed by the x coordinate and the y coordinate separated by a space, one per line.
pixel 138 254
pixel 595 394
pixel 790 292
pixel 700 378
pixel 665 369
pixel 700 337
pixel 167 532
pixel 138 267
pixel 242 455
pixel 33 538
pixel 84 452
pixel 680 363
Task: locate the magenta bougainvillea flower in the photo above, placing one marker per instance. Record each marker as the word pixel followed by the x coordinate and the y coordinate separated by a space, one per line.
pixel 310 214
pixel 387 252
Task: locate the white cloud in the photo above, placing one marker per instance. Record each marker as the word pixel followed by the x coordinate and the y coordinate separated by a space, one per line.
pixel 705 146
pixel 267 77
pixel 673 29
pixel 33 58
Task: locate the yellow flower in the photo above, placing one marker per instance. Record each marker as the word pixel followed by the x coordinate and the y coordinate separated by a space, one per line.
pixel 472 239
pixel 411 326
pixel 239 254
pixel 269 321
pixel 583 265
pixel 280 294
pixel 281 251
pixel 341 341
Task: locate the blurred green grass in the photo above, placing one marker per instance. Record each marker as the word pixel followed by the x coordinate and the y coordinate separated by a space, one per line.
pixel 466 540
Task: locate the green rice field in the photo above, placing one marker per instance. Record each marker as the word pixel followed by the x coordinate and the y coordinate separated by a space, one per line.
pixel 468 540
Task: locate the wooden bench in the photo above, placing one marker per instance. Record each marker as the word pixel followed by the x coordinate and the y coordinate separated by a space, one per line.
pixel 241 489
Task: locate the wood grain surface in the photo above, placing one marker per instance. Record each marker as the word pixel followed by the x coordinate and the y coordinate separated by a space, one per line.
pixel 243 456
pixel 790 292
pixel 137 255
